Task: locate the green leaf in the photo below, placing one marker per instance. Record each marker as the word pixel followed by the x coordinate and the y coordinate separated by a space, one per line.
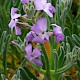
pixel 55 60
pixel 3 77
pixel 76 39
pixel 78 63
pixel 24 75
pixel 18 73
pixel 66 31
pixel 75 29
pixel 78 75
pixel 78 53
pixel 61 57
pixel 5 18
pixel 65 68
pixel 63 44
pixel 15 77
pixel 68 48
pixel 49 1
pixel 77 20
pixel 17 3
pixel 69 40
pixel 68 77
pixel 2 41
pixel 30 74
pixel 57 14
pixel 6 51
pixel 7 4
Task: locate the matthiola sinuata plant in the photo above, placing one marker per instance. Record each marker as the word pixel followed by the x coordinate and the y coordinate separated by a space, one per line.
pixel 38 34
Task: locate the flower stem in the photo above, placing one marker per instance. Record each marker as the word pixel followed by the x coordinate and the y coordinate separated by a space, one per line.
pixel 46 58
pixel 55 77
pixel 48 76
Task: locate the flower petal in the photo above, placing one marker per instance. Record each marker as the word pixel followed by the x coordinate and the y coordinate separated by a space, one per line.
pixel 44 2
pixel 25 1
pixel 42 24
pixel 47 36
pixel 12 24
pixel 38 5
pixel 18 30
pixel 16 16
pixel 30 36
pixel 35 29
pixel 49 9
pixel 59 38
pixel 36 53
pixel 28 49
pixel 38 39
pixel 37 62
pixel 57 30
pixel 28 57
pixel 13 11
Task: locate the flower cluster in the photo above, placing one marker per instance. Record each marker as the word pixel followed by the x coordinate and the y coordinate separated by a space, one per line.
pixel 38 31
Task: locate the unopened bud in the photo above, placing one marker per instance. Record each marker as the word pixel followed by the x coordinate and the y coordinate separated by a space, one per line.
pixel 23 25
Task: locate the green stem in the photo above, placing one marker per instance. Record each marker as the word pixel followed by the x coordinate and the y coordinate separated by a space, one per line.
pixel 51 46
pixel 60 70
pixel 55 77
pixel 46 62
pixel 38 15
pixel 48 77
pixel 46 58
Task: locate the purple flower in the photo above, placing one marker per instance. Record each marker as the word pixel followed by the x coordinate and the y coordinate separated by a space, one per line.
pixel 40 29
pixel 30 36
pixel 33 55
pixel 57 31
pixel 46 7
pixel 13 21
pixel 25 1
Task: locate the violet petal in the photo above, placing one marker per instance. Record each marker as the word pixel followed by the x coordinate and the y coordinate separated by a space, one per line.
pixel 59 38
pixel 13 11
pixel 12 24
pixel 28 49
pixel 25 1
pixel 47 36
pixel 36 53
pixel 16 16
pixel 40 26
pixel 48 10
pixel 18 30
pixel 38 39
pixel 38 5
pixel 37 62
pixel 30 36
